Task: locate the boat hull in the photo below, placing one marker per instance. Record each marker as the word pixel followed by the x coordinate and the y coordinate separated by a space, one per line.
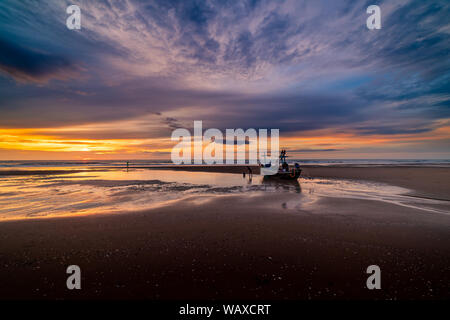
pixel 293 174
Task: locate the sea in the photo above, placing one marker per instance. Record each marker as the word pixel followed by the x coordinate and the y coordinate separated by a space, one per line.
pixel 17 164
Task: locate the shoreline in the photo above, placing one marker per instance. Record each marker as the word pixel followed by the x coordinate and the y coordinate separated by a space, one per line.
pixel 424 181
pixel 239 169
pixel 428 182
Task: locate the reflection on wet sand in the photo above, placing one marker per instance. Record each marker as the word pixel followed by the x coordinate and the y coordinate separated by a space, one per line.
pixel 121 190
pixel 282 185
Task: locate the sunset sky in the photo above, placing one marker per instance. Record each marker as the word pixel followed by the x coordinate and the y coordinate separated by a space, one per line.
pixel 117 88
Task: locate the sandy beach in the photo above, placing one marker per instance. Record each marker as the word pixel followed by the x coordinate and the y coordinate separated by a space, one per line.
pixel 242 246
pixel 430 182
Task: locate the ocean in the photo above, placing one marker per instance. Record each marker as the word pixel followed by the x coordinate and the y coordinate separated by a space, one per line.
pixel 17 164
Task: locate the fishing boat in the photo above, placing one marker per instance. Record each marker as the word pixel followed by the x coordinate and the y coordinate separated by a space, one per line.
pixel 280 169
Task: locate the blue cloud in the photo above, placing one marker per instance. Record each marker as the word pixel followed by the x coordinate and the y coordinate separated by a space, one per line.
pixel 31 65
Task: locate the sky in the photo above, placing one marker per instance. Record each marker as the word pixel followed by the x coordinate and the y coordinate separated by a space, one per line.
pixel 137 70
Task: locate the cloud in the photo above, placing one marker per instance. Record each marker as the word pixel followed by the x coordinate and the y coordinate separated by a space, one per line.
pixel 25 64
pixel 299 66
pixel 314 150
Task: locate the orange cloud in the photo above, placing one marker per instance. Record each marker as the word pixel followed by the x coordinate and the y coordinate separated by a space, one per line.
pixel 24 142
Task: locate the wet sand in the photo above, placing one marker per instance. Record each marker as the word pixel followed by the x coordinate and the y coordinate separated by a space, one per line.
pixel 432 182
pixel 238 247
pixel 191 168
pixel 202 168
pixel 36 172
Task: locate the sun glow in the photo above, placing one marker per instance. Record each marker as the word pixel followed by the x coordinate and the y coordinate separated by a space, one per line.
pixel 29 140
pixel 80 142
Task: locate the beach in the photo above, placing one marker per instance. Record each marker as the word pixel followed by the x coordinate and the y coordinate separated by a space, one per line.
pixel 261 240
pixel 430 182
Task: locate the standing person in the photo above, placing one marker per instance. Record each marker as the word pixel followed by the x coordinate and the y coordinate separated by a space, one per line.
pixel 250 172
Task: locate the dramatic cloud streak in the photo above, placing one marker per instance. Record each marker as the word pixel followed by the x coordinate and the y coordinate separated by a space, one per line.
pixel 302 66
